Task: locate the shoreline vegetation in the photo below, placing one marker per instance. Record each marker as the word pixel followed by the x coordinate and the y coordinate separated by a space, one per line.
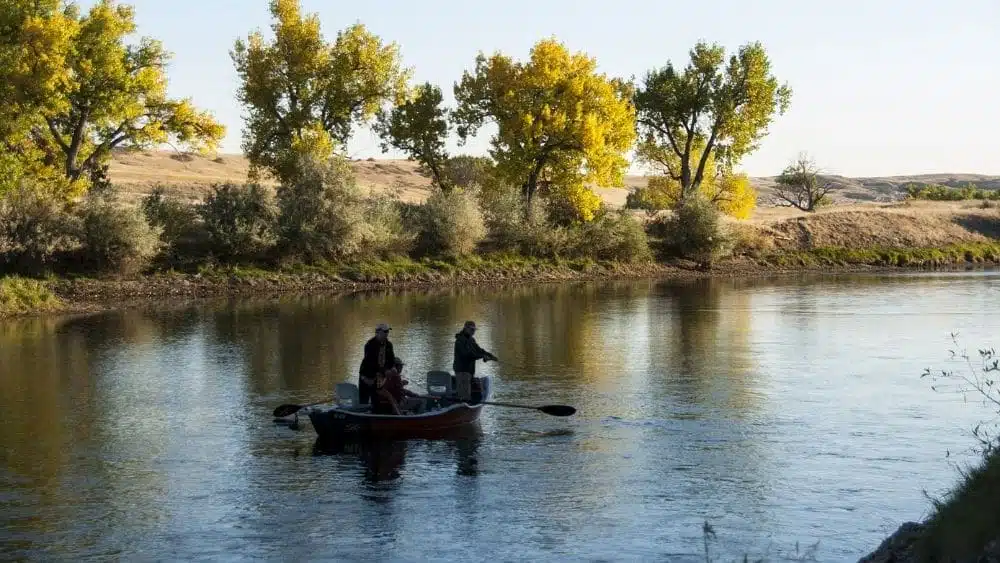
pixel 24 296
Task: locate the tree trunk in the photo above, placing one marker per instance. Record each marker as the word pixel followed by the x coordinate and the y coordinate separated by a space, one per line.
pixel 529 189
pixel 528 192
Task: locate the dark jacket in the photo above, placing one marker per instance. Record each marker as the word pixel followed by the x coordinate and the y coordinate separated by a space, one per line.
pixel 369 365
pixel 467 351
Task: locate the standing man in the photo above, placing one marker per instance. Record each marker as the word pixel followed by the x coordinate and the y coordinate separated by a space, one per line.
pixel 467 351
pixel 379 357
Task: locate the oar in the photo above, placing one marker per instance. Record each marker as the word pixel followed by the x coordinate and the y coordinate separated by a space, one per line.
pixel 554 410
pixel 286 410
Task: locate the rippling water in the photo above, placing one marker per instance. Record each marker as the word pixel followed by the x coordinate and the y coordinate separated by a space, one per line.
pixel 780 411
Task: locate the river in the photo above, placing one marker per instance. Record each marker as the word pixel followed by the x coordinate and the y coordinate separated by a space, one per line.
pixel 780 411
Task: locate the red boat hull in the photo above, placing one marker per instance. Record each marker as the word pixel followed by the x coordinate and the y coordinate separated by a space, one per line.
pixel 340 423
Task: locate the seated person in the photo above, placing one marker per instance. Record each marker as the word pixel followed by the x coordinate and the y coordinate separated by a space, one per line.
pixel 390 396
pixel 409 400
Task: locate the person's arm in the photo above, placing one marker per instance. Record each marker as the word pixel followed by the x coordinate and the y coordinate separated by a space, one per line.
pixel 385 394
pixel 482 354
pixel 471 350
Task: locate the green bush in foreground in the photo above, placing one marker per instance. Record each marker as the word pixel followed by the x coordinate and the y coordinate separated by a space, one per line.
pixel 615 236
pixel 385 232
pixel 321 212
pixel 694 231
pixel 451 224
pixel 182 232
pixel 240 221
pixel 34 227
pixel 116 238
pixel 22 295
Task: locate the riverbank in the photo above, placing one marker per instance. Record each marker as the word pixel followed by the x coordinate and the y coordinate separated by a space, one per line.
pixel 965 527
pixel 20 296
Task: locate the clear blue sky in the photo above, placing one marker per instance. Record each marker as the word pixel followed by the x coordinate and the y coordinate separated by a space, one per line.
pixel 880 87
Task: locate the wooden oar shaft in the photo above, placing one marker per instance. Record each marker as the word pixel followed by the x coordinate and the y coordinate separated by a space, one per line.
pixel 510 405
pixel 456 399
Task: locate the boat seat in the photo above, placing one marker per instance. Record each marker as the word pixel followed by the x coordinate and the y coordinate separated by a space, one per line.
pixel 439 383
pixel 347 394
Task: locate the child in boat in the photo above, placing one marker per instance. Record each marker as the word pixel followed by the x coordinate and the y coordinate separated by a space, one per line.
pixel 391 394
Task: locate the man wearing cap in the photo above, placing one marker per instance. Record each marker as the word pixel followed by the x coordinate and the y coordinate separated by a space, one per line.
pixel 379 357
pixel 467 351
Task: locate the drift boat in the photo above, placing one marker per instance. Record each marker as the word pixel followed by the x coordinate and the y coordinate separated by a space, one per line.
pixel 433 416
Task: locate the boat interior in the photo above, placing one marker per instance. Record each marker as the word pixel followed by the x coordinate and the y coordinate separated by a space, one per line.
pixel 440 385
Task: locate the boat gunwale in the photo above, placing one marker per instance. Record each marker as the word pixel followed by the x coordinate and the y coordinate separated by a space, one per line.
pixel 319 410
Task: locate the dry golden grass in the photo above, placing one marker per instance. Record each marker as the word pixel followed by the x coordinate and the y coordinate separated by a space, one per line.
pixel 850 223
pixel 189 177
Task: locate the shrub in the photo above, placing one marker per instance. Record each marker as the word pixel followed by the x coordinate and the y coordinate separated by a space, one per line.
pixel 321 213
pixel 466 171
pixel 239 220
pixel 451 224
pixel 384 232
pixel 34 227
pixel 937 192
pixel 570 204
pixel 181 229
pixel 613 235
pixel 650 198
pixel 23 295
pixel 542 240
pixel 116 238
pixel 693 231
pixel 503 213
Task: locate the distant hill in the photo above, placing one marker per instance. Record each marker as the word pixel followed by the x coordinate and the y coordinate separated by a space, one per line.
pixel 189 176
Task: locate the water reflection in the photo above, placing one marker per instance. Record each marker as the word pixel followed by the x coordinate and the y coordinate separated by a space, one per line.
pixel 384 460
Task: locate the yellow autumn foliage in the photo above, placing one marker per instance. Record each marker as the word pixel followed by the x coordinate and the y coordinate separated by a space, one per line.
pixel 559 122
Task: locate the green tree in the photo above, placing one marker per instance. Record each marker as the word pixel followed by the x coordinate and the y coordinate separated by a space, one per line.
pixel 79 90
pixel 730 193
pixel 711 109
pixel 303 94
pixel 419 127
pixel 560 123
pixel 119 97
pixel 35 37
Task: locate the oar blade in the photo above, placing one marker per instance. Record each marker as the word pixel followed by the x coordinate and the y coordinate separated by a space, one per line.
pixel 558 410
pixel 286 410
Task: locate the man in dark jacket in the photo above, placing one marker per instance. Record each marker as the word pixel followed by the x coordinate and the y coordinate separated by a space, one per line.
pixel 378 358
pixel 467 351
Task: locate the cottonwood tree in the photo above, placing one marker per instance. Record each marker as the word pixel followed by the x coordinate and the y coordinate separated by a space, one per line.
pixel 799 185
pixel 79 91
pixel 713 108
pixel 35 37
pixel 732 194
pixel 559 123
pixel 303 94
pixel 119 96
pixel 419 127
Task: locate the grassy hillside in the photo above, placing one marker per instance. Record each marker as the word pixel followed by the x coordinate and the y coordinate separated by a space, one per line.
pixel 188 176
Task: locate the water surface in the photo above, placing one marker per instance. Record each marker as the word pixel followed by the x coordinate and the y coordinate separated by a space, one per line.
pixel 781 411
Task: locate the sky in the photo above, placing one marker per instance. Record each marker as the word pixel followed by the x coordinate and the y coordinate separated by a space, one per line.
pixel 879 87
